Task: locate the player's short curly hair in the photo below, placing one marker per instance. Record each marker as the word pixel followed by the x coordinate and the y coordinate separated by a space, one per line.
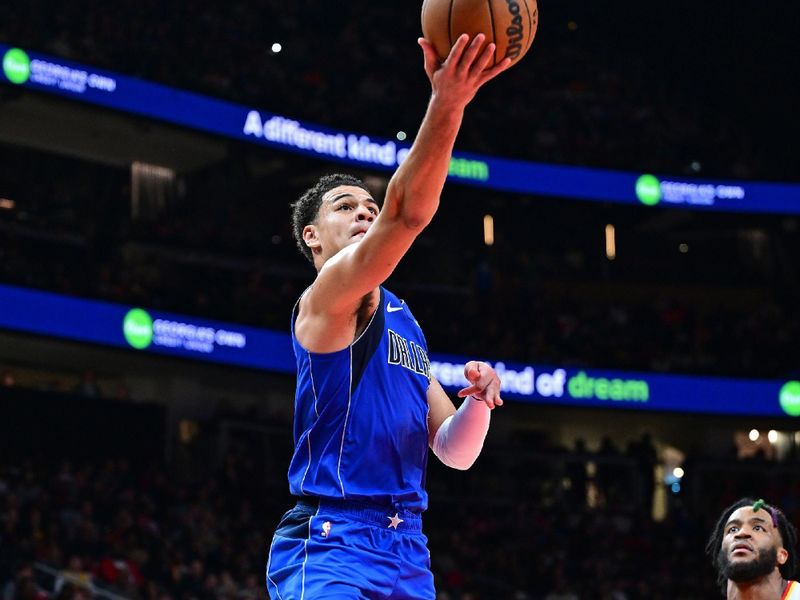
pixel 306 209
pixel 786 529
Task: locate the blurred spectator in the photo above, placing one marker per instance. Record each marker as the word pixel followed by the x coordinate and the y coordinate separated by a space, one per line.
pixel 23 586
pixel 75 579
pixel 8 379
pixel 139 531
pixel 88 385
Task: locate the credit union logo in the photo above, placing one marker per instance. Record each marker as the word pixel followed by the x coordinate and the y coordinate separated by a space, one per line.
pixel 790 398
pixel 138 328
pixel 16 66
pixel 648 190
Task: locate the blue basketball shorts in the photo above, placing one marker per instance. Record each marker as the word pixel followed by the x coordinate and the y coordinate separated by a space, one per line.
pixel 339 550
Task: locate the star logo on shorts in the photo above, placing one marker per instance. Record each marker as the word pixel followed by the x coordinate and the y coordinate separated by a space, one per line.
pixel 395 521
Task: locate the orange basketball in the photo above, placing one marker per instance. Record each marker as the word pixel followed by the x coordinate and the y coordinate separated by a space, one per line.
pixel 510 24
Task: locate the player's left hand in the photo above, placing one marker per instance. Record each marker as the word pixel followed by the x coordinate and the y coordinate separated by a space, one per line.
pixel 485 384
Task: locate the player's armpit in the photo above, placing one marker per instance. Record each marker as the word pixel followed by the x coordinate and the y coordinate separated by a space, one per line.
pixel 322 333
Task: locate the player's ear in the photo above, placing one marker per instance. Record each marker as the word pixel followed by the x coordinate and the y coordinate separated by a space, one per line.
pixel 783 556
pixel 311 237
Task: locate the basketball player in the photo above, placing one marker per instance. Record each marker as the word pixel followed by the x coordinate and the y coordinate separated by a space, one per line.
pixel 753 548
pixel 366 406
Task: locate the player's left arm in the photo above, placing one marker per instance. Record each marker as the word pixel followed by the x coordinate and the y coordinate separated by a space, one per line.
pixel 457 436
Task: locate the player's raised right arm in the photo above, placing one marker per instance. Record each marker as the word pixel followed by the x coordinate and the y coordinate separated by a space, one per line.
pixel 413 192
pixel 412 195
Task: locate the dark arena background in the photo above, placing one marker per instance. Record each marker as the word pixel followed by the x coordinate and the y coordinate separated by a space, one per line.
pixel 619 236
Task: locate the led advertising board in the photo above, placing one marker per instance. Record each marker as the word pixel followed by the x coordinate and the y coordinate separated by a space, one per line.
pixel 103 88
pixel 139 329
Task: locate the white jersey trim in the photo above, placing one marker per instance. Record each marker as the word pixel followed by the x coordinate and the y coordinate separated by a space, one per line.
pixel 346 417
pixel 313 385
pixel 308 431
pixel 269 563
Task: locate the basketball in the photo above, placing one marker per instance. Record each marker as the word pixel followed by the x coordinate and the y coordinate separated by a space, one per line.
pixel 510 24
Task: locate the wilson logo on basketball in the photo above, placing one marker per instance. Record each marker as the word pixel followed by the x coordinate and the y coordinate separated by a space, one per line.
pixel 509 24
pixel 514 31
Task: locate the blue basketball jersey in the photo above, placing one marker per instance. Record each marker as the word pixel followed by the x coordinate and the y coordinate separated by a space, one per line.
pixel 361 414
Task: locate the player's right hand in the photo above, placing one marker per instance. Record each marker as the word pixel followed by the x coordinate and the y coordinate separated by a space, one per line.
pixel 461 75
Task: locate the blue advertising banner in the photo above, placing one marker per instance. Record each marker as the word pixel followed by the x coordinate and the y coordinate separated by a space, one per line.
pixel 121 326
pixel 144 330
pixel 110 90
pixel 632 390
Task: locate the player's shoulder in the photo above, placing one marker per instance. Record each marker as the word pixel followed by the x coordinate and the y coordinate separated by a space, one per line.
pixel 389 295
pixel 391 301
pixel 394 305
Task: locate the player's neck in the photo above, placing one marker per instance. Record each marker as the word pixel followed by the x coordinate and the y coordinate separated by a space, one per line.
pixel 769 587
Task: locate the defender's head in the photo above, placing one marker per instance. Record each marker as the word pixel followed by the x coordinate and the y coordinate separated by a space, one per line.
pixel 751 540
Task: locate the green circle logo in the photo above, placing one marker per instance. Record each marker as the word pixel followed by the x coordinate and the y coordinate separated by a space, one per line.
pixel 17 66
pixel 648 190
pixel 138 328
pixel 790 398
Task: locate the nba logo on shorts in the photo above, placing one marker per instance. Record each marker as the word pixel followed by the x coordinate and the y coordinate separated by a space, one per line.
pixel 326 528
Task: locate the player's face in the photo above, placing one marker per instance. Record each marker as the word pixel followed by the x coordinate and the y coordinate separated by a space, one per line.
pixel 751 545
pixel 345 215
